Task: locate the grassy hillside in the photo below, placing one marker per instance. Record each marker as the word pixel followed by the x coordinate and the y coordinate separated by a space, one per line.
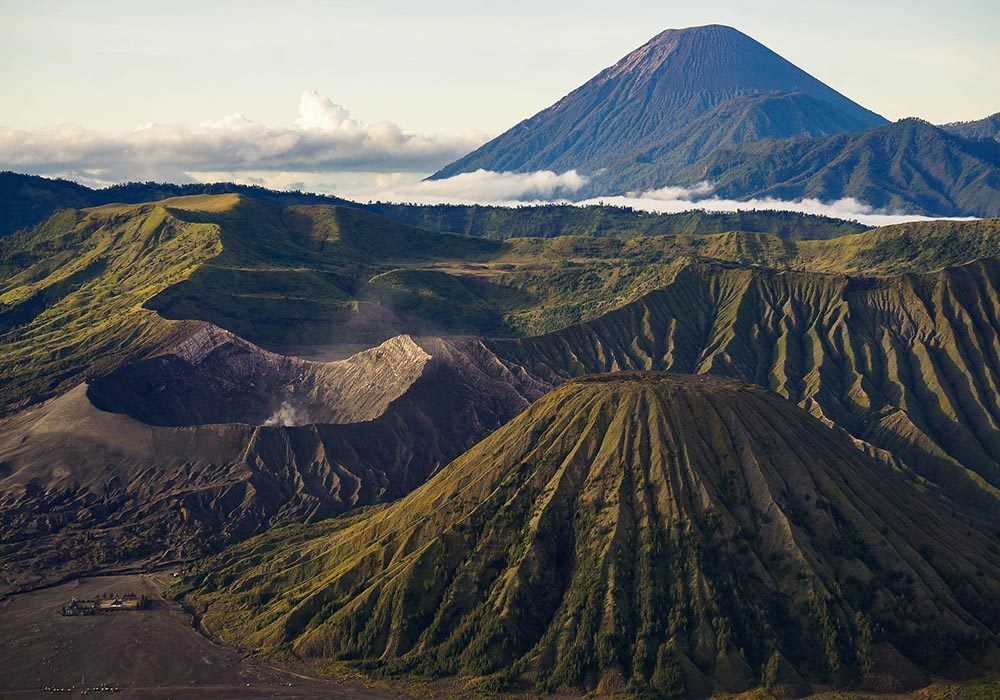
pixel 648 534
pixel 72 292
pixel 908 365
pixel 78 293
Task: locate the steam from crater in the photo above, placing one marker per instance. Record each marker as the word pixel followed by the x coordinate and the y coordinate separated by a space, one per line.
pixel 287 416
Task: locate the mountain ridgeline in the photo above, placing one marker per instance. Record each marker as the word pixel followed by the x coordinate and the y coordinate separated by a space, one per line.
pixel 642 533
pixel 906 166
pixel 908 366
pixel 28 200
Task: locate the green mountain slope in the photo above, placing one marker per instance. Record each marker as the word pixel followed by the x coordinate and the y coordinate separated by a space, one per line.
pixel 651 533
pixel 78 294
pixel 261 438
pixel 72 294
pixel 909 365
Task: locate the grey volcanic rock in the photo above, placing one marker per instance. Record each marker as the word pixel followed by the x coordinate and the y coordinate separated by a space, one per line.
pixel 660 87
pixel 92 488
pixel 217 377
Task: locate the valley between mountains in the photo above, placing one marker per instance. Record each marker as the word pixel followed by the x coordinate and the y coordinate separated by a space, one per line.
pixel 675 463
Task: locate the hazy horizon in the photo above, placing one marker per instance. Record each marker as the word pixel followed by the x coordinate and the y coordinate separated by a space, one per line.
pixel 368 99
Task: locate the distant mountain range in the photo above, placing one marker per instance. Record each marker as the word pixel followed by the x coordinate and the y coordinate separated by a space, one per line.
pixel 710 103
pixel 906 166
pixel 28 200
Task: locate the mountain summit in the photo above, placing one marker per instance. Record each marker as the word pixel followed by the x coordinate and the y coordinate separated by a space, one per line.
pixel 677 76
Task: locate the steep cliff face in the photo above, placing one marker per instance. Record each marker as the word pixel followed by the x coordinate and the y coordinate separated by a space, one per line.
pixel 909 365
pixel 651 532
pixel 191 461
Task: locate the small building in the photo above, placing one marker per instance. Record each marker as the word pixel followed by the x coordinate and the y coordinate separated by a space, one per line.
pixel 106 602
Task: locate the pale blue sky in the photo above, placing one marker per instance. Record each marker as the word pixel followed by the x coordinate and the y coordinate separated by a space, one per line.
pixel 454 66
pixel 364 99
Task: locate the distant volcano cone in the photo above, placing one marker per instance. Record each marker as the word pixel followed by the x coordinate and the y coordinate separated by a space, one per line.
pixel 665 85
pixel 677 534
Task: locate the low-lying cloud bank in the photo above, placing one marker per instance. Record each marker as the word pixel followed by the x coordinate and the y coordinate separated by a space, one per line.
pixel 324 137
pixel 479 187
pixel 546 187
pixel 327 150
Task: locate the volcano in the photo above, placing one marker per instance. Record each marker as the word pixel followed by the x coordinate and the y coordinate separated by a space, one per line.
pixel 651 532
pixel 641 104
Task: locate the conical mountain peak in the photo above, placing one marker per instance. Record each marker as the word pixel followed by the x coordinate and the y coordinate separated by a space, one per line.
pixel 683 535
pixel 651 93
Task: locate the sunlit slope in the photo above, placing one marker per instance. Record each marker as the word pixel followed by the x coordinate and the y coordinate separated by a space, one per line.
pixel 908 364
pixel 658 532
pixel 72 292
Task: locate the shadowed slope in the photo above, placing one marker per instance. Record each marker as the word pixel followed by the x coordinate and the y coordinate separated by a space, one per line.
pixel 907 364
pixel 679 534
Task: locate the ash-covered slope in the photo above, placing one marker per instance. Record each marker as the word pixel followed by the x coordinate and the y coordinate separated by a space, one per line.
pixel 83 488
pixel 217 377
pixel 663 85
pixel 908 364
pixel 644 532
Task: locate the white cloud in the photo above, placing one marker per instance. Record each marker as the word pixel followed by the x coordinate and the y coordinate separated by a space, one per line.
pixel 547 187
pixel 686 200
pixel 327 150
pixel 324 138
pixel 479 187
pixel 667 194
